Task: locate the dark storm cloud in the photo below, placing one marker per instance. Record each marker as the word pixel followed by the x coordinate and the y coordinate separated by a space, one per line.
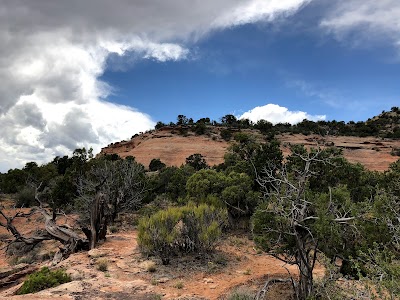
pixel 74 130
pixel 28 114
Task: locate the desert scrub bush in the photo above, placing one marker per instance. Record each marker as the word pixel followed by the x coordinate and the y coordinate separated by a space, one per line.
pixel 395 152
pixel 179 285
pixel 22 253
pixel 148 210
pixel 241 294
pixel 157 233
pixel 151 267
pixel 382 270
pixel 113 229
pixel 43 279
pixel 179 230
pixel 102 265
pixel 226 134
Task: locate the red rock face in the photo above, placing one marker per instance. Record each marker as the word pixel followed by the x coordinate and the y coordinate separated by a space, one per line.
pixel 173 148
pixel 372 152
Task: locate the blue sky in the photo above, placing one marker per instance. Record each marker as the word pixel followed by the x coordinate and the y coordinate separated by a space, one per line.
pixel 289 64
pixel 87 73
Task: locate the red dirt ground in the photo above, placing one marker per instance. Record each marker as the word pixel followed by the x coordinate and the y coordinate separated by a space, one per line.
pixel 236 263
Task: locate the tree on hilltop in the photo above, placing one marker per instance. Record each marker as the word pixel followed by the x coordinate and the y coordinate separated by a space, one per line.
pixel 182 120
pixel 229 120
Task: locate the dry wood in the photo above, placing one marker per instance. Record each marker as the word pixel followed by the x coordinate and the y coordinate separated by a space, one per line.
pixel 71 241
pixel 9 271
pixel 261 293
pixel 14 278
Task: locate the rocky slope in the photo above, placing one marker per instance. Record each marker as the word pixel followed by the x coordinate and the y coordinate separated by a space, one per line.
pixel 374 153
pixel 173 147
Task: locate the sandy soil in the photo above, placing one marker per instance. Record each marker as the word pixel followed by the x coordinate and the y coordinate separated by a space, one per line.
pixel 236 263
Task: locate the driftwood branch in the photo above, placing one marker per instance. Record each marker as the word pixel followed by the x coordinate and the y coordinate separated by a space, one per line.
pixel 12 276
pixel 261 293
pixel 71 241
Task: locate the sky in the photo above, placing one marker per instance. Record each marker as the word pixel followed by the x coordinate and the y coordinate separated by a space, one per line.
pixel 87 73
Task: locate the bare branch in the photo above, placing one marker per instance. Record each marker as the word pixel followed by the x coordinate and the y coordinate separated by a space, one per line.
pixel 293 213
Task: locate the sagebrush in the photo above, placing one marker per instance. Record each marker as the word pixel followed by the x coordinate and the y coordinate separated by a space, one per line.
pixel 181 230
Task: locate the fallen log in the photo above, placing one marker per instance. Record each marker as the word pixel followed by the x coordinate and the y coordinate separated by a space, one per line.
pixel 261 293
pixel 9 271
pixel 71 241
pixel 15 277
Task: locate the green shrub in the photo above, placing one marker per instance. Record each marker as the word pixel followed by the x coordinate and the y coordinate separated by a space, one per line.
pixel 156 164
pixel 200 128
pixel 113 229
pixel 242 138
pixel 226 134
pixel 197 161
pixel 148 210
pixel 158 232
pixel 26 197
pixel 43 279
pixel 395 152
pixel 180 230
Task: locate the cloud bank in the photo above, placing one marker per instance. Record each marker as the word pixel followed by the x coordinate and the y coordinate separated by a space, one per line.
pixel 365 21
pixel 54 52
pixel 278 114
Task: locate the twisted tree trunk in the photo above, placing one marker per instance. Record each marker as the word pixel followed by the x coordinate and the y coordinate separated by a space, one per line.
pixel 71 241
pixel 98 222
pixel 305 285
pixel 305 260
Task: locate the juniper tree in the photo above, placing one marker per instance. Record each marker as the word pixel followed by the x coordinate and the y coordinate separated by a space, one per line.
pixel 294 223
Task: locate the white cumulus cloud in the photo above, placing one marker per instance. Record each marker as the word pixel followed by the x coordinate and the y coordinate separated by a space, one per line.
pixel 53 53
pixel 278 114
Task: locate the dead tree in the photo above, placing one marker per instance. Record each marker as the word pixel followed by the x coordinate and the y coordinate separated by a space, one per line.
pixel 124 187
pixel 71 241
pixel 285 225
pixel 97 229
pixel 110 187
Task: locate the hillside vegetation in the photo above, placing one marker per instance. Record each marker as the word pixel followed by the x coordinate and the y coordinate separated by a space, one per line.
pixel 307 206
pixel 374 143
